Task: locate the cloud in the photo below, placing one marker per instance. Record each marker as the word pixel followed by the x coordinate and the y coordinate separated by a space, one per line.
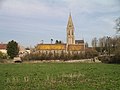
pixel 1 2
pixel 28 7
pixel 57 9
pixel 92 6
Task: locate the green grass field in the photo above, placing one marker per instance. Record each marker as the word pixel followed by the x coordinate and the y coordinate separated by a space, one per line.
pixel 60 76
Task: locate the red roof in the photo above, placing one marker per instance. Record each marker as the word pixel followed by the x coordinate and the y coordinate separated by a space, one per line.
pixel 3 46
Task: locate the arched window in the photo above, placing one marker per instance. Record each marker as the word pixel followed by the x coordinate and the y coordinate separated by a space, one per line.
pixel 72 32
pixel 69 32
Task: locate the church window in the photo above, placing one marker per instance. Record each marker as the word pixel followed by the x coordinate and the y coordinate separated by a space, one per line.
pixel 68 32
pixel 72 32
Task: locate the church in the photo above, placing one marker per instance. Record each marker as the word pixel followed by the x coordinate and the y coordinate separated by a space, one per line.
pixel 71 45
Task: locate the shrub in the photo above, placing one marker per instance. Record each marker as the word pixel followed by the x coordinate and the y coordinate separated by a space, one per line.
pixel 3 56
pixel 117 56
pixel 55 56
pixel 60 56
pixel 109 59
pixel 114 58
pixel 91 53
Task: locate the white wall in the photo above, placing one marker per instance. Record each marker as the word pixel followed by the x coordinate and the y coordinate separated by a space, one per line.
pixel 3 51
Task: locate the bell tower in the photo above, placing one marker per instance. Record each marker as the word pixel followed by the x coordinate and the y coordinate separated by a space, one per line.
pixel 70 31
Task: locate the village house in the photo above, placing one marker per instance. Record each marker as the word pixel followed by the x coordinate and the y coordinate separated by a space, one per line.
pixel 3 48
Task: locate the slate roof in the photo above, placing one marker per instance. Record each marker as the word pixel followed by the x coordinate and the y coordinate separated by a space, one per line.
pixel 79 41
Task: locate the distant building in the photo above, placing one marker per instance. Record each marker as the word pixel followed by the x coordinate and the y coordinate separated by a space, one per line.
pixel 23 51
pixel 3 48
pixel 70 31
pixel 72 45
pixel 79 41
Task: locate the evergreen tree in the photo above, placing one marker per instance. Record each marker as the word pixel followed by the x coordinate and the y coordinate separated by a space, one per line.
pixel 12 49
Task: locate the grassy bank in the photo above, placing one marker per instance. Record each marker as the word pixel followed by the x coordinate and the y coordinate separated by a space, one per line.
pixel 60 76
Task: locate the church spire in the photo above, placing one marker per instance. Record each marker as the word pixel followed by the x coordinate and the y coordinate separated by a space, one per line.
pixel 70 31
pixel 70 22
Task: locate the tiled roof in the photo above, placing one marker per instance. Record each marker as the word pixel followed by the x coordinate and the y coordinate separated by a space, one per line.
pixel 51 46
pixel 3 46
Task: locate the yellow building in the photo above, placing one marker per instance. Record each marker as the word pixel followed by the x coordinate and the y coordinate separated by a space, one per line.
pixel 72 45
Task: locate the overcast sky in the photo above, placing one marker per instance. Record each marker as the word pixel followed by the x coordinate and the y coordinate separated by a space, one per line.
pixel 30 21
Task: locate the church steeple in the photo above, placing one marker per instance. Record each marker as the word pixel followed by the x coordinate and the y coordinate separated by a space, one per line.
pixel 70 22
pixel 70 31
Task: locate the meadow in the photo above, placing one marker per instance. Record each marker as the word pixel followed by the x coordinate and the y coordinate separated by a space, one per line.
pixel 60 76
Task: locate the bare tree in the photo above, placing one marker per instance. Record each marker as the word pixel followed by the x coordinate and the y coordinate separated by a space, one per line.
pixel 118 24
pixel 102 44
pixel 86 45
pixel 94 42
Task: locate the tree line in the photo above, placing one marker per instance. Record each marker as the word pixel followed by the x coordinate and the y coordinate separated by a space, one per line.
pixel 106 45
pixel 88 54
pixel 109 47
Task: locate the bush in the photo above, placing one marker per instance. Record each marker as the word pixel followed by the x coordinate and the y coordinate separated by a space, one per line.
pixel 91 53
pixel 113 59
pixel 104 58
pixel 53 56
pixel 60 56
pixel 110 59
pixel 3 56
pixel 117 56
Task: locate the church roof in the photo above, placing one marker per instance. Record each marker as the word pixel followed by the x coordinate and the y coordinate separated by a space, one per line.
pixel 51 47
pixel 79 41
pixel 76 47
pixel 70 22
